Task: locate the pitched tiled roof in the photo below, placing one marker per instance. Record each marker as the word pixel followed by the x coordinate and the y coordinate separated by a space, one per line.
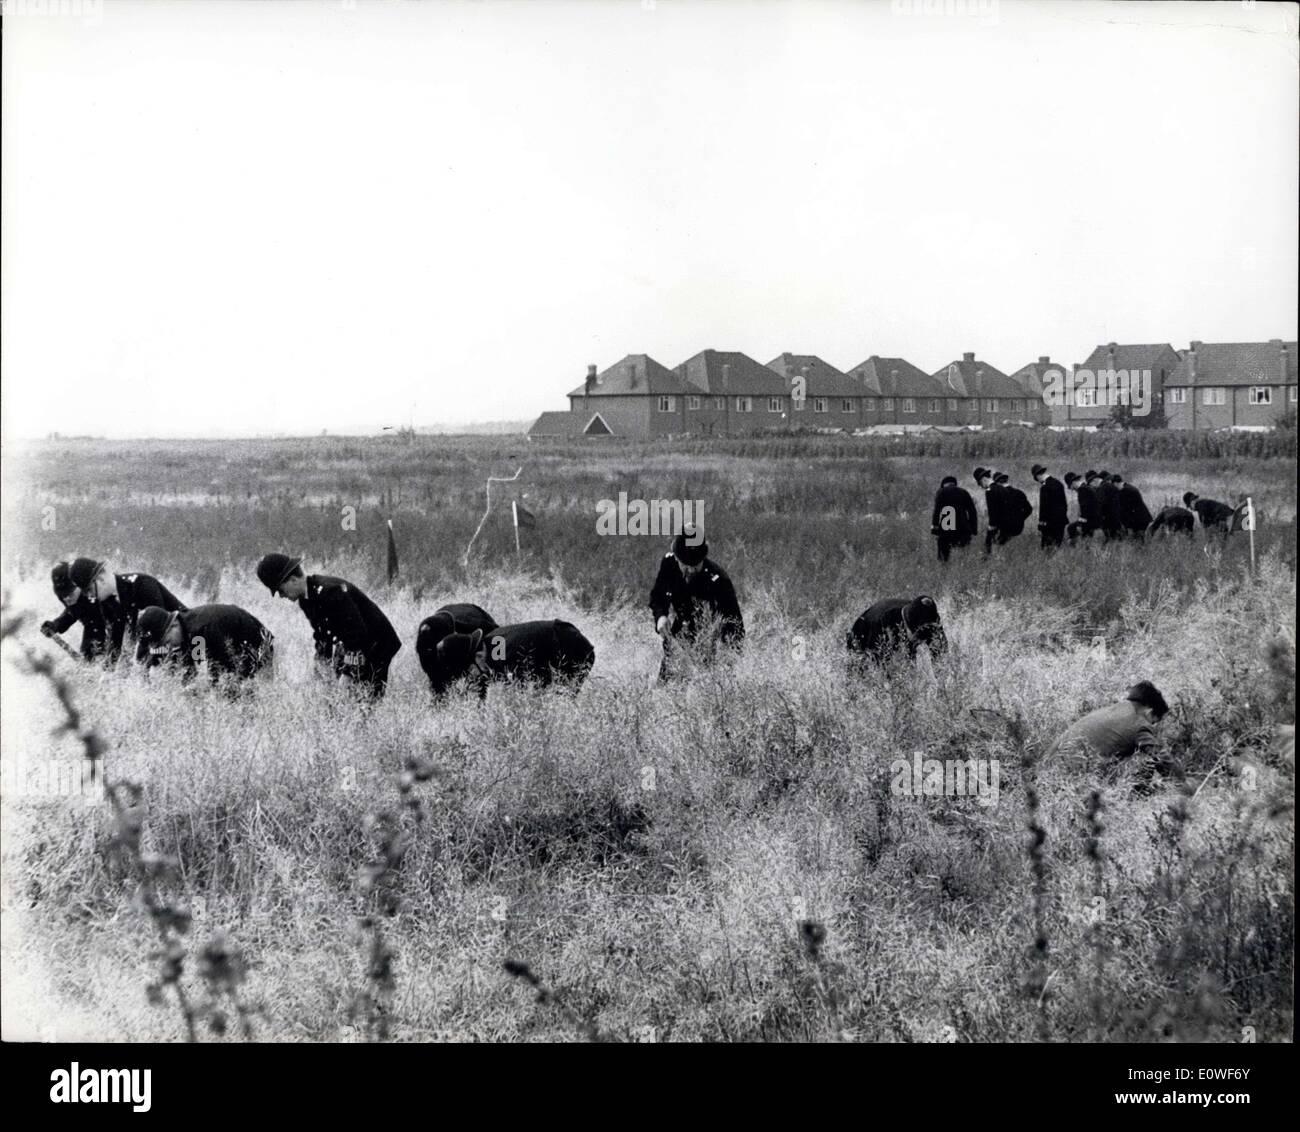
pixel 555 424
pixel 1127 356
pixel 895 377
pixel 823 379
pixel 969 377
pixel 1034 377
pixel 636 373
pixel 1236 363
pixel 742 375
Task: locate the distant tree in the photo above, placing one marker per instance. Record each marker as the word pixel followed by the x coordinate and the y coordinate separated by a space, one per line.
pixel 1122 416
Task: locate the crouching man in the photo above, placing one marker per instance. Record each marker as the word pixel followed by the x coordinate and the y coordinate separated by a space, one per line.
pixel 1120 731
pixel 225 639
pixel 897 623
pixel 456 618
pixel 77 609
pixel 690 592
pixel 352 635
pixel 534 652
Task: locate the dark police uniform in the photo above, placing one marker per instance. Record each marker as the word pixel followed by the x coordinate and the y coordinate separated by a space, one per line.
pixel 1089 512
pixel 1053 512
pixel 94 631
pixel 345 621
pixel 898 622
pixel 954 521
pixel 456 618
pixel 234 643
pixel 1133 511
pixel 1108 502
pixel 707 594
pixel 135 592
pixel 1175 519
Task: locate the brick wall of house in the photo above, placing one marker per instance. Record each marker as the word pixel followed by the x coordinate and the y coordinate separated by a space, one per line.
pixel 1236 409
pixel 626 415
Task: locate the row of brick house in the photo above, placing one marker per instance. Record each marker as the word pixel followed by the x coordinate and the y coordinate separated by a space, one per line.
pixel 1209 385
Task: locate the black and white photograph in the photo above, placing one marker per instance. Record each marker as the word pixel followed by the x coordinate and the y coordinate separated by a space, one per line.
pixel 664 522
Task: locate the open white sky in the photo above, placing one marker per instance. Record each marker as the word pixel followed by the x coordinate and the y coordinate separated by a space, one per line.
pixel 228 218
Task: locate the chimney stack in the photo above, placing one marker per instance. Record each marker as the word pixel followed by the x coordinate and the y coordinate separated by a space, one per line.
pixel 1044 360
pixel 968 357
pixel 591 378
pixel 1281 359
pixel 1191 358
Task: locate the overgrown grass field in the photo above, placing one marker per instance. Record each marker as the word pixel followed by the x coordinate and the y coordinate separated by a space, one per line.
pixel 720 860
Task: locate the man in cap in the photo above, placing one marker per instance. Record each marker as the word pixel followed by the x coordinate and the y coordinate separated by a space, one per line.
pixel 76 608
pixel 351 633
pixel 1134 515
pixel 120 598
pixel 895 623
pixel 954 521
pixel 1053 511
pixel 1108 503
pixel 692 592
pixel 1120 730
pixel 229 641
pixel 1214 515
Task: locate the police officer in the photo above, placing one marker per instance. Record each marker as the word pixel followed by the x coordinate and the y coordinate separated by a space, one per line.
pixel 1053 511
pixel 992 506
pixel 690 590
pixel 1134 515
pixel 120 598
pixel 896 623
pixel 1213 514
pixel 1173 520
pixel 228 640
pixel 351 633
pixel 1085 490
pixel 1014 508
pixel 1108 502
pixel 77 608
pixel 954 521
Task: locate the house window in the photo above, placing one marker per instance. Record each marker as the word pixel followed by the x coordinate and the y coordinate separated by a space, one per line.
pixel 775 404
pixel 848 405
pixel 1085 398
pixel 692 402
pixel 720 403
pixel 819 404
pixel 887 404
pixel 1291 394
pixel 952 404
pixel 869 404
pixel 1178 396
pixel 1213 396
pixel 744 404
pixel 667 404
pixel 909 405
pixel 991 404
pixel 934 404
pixel 1260 395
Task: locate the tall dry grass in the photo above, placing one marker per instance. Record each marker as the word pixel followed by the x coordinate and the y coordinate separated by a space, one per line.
pixel 720 860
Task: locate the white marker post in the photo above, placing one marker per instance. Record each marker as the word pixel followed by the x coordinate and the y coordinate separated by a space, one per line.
pixel 1249 524
pixel 514 512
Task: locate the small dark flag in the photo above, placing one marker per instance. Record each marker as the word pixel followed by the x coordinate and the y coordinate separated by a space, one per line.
pixel 524 517
pixel 392 553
